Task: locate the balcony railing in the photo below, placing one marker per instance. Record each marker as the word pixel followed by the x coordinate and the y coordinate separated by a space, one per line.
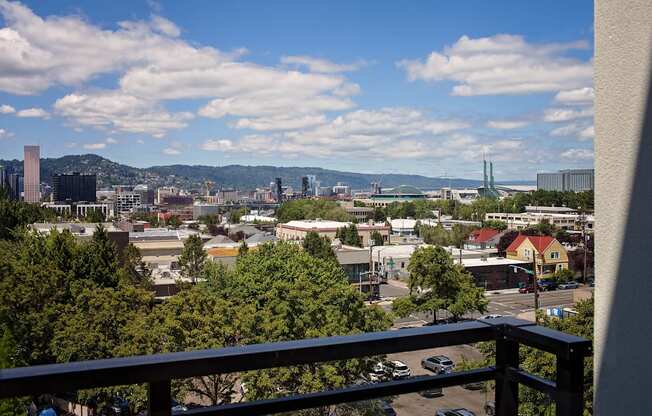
pixel 159 370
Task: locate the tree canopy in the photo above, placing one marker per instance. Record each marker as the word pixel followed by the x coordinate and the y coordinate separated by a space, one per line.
pixel 310 209
pixel 349 236
pixel 436 283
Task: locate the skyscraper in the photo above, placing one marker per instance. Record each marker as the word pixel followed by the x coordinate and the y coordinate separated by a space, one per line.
pixel 305 186
pixel 279 190
pixel 32 174
pixel 74 187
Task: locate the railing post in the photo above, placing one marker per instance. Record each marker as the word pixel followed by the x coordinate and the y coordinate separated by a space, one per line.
pixel 159 401
pixel 570 385
pixel 506 400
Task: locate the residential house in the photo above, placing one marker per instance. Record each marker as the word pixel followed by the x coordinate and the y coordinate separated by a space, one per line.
pixel 551 256
pixel 483 238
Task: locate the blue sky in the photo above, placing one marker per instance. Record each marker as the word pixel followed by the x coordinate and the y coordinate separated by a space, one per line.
pixel 422 87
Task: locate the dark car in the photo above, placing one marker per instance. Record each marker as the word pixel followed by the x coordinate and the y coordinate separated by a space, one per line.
pixel 547 285
pixel 430 393
pixel 116 407
pixel 454 412
pixel 387 409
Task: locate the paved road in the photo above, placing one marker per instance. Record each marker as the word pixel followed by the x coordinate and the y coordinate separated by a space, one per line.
pixel 507 304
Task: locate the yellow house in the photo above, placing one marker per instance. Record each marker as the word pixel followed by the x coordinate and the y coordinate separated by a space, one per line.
pixel 551 256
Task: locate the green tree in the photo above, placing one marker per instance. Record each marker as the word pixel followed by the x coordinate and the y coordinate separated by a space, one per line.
pixel 319 247
pixel 377 238
pixel 97 261
pixel 94 215
pixel 310 209
pixel 192 258
pixel 505 241
pixel 495 224
pixel 174 222
pixel 134 270
pixel 379 215
pixel 349 236
pixel 437 283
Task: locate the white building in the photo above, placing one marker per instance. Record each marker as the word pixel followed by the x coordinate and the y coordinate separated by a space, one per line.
pixel 107 209
pixel 128 202
pixel 520 221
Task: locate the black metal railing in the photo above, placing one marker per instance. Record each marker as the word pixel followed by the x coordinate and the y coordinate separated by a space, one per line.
pixel 159 370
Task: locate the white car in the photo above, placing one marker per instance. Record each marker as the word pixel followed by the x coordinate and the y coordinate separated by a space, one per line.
pixel 492 316
pixel 397 369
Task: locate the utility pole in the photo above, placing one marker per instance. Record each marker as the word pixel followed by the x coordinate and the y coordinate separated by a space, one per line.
pixel 536 286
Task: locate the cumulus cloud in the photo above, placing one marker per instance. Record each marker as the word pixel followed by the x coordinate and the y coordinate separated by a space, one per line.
pixel 502 64
pixel 215 145
pixel 577 154
pixel 581 130
pixel 94 146
pixel 7 109
pixel 33 113
pixel 556 115
pixel 111 140
pixel 575 97
pixel 506 124
pixel 171 151
pixel 321 65
pixel 4 134
pixel 588 133
pixel 123 112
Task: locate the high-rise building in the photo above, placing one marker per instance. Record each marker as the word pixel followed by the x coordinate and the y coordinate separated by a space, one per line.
pixel 127 202
pixel 305 186
pixel 3 177
pixel 279 190
pixel 13 186
pixel 74 187
pixel 32 174
pixel 576 180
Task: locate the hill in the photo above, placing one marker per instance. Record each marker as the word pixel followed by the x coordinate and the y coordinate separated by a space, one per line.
pixel 238 176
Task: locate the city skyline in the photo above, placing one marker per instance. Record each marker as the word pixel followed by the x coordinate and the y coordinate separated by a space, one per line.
pixel 389 89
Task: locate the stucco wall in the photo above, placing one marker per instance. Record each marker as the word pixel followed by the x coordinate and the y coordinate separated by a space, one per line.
pixel 623 124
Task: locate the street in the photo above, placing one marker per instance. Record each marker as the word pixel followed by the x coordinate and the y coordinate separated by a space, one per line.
pixel 506 303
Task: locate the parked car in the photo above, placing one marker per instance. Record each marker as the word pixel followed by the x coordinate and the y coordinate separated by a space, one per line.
pixel 378 374
pixel 430 393
pixel 397 369
pixel 387 408
pixel 440 364
pixel 178 407
pixel 547 285
pixel 569 285
pixel 117 407
pixel 479 385
pixel 492 316
pixel 454 412
pixel 526 289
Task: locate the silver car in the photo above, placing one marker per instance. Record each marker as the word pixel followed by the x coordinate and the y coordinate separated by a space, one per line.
pixel 397 369
pixel 454 412
pixel 439 364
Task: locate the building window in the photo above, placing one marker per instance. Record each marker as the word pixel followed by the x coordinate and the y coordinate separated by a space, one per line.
pixel 554 255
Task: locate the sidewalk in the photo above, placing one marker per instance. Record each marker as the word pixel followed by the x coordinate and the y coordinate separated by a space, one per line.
pixel 403 285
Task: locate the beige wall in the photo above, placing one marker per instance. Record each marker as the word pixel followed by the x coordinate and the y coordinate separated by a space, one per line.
pixel 546 259
pixel 623 201
pixel 285 233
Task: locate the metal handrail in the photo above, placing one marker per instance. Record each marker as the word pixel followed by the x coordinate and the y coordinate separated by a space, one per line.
pixel 158 370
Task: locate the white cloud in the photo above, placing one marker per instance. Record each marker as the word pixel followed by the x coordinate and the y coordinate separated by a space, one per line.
pixel 279 122
pixel 506 124
pixel 171 151
pixel 574 97
pixel 503 64
pixel 556 115
pixel 577 154
pixel 140 141
pixel 36 53
pixel 7 109
pixel 33 113
pixel 115 110
pixel 321 65
pixel 70 145
pixel 588 133
pixel 215 145
pixel 111 140
pixel 94 146
pixel 4 134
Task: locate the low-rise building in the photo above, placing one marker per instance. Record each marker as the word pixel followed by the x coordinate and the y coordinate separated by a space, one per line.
pixel 549 254
pixel 520 221
pixel 297 230
pixel 483 238
pixel 361 214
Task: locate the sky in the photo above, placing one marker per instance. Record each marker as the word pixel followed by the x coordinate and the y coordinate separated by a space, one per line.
pixel 421 87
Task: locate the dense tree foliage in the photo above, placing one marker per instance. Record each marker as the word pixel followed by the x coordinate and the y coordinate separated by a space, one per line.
pixel 310 209
pixel 439 236
pixel 377 238
pixel 319 247
pixel 15 215
pixel 192 257
pixel 349 236
pixel 437 283
pixel 495 224
pixel 505 241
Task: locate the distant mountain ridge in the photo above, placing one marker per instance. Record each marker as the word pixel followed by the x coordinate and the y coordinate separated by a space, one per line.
pixel 236 176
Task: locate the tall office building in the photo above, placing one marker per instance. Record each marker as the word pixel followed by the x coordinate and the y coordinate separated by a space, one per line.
pixel 32 174
pixel 74 187
pixel 305 186
pixel 576 180
pixel 4 182
pixel 279 190
pixel 13 186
